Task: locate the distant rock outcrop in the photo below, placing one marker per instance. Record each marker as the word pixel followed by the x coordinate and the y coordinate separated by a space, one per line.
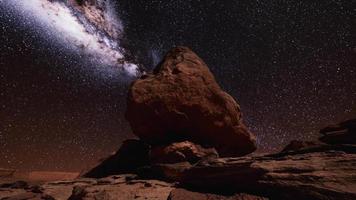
pixel 342 133
pixel 296 145
pixel 181 101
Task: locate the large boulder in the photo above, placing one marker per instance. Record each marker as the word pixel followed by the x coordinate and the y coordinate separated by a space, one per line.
pixel 181 101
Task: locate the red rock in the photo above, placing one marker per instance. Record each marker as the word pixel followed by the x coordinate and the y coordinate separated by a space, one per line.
pixel 15 185
pixel 181 152
pixel 182 194
pixel 181 101
pixel 314 174
pixel 78 193
pixel 23 196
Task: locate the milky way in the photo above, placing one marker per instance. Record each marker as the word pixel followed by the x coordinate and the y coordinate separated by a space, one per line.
pixel 92 29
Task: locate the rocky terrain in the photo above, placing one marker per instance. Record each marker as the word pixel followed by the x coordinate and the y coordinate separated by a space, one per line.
pixel 114 187
pixel 192 144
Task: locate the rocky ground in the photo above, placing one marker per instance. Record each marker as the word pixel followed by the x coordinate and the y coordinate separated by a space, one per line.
pixel 120 187
pixel 114 187
pixel 318 172
pixel 193 145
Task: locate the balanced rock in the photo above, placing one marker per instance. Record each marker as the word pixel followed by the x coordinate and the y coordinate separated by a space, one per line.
pixel 182 101
pixel 181 152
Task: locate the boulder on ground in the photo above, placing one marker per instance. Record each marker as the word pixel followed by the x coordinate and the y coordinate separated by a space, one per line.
pixel 181 152
pixel 182 101
pixel 131 155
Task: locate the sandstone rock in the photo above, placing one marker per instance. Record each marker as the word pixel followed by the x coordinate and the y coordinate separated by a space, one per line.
pixel 181 152
pixel 116 188
pixel 15 185
pixel 182 194
pixel 296 145
pixel 299 175
pixel 342 133
pixel 322 172
pixel 131 155
pixel 78 193
pixel 181 101
pixel 36 189
pixel 166 172
pixel 23 196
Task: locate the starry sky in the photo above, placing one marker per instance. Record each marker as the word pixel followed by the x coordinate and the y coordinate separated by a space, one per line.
pixel 290 64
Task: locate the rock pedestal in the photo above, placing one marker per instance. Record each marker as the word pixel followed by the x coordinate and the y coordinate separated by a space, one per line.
pixel 181 152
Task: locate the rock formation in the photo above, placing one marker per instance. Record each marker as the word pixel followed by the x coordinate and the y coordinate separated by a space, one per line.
pixel 296 145
pixel 342 133
pixel 324 172
pixel 181 116
pixel 301 175
pixel 181 152
pixel 185 121
pixel 134 155
pixel 182 194
pixel 181 101
pixel 124 187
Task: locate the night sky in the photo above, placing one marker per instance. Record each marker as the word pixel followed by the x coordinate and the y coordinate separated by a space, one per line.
pixel 291 65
